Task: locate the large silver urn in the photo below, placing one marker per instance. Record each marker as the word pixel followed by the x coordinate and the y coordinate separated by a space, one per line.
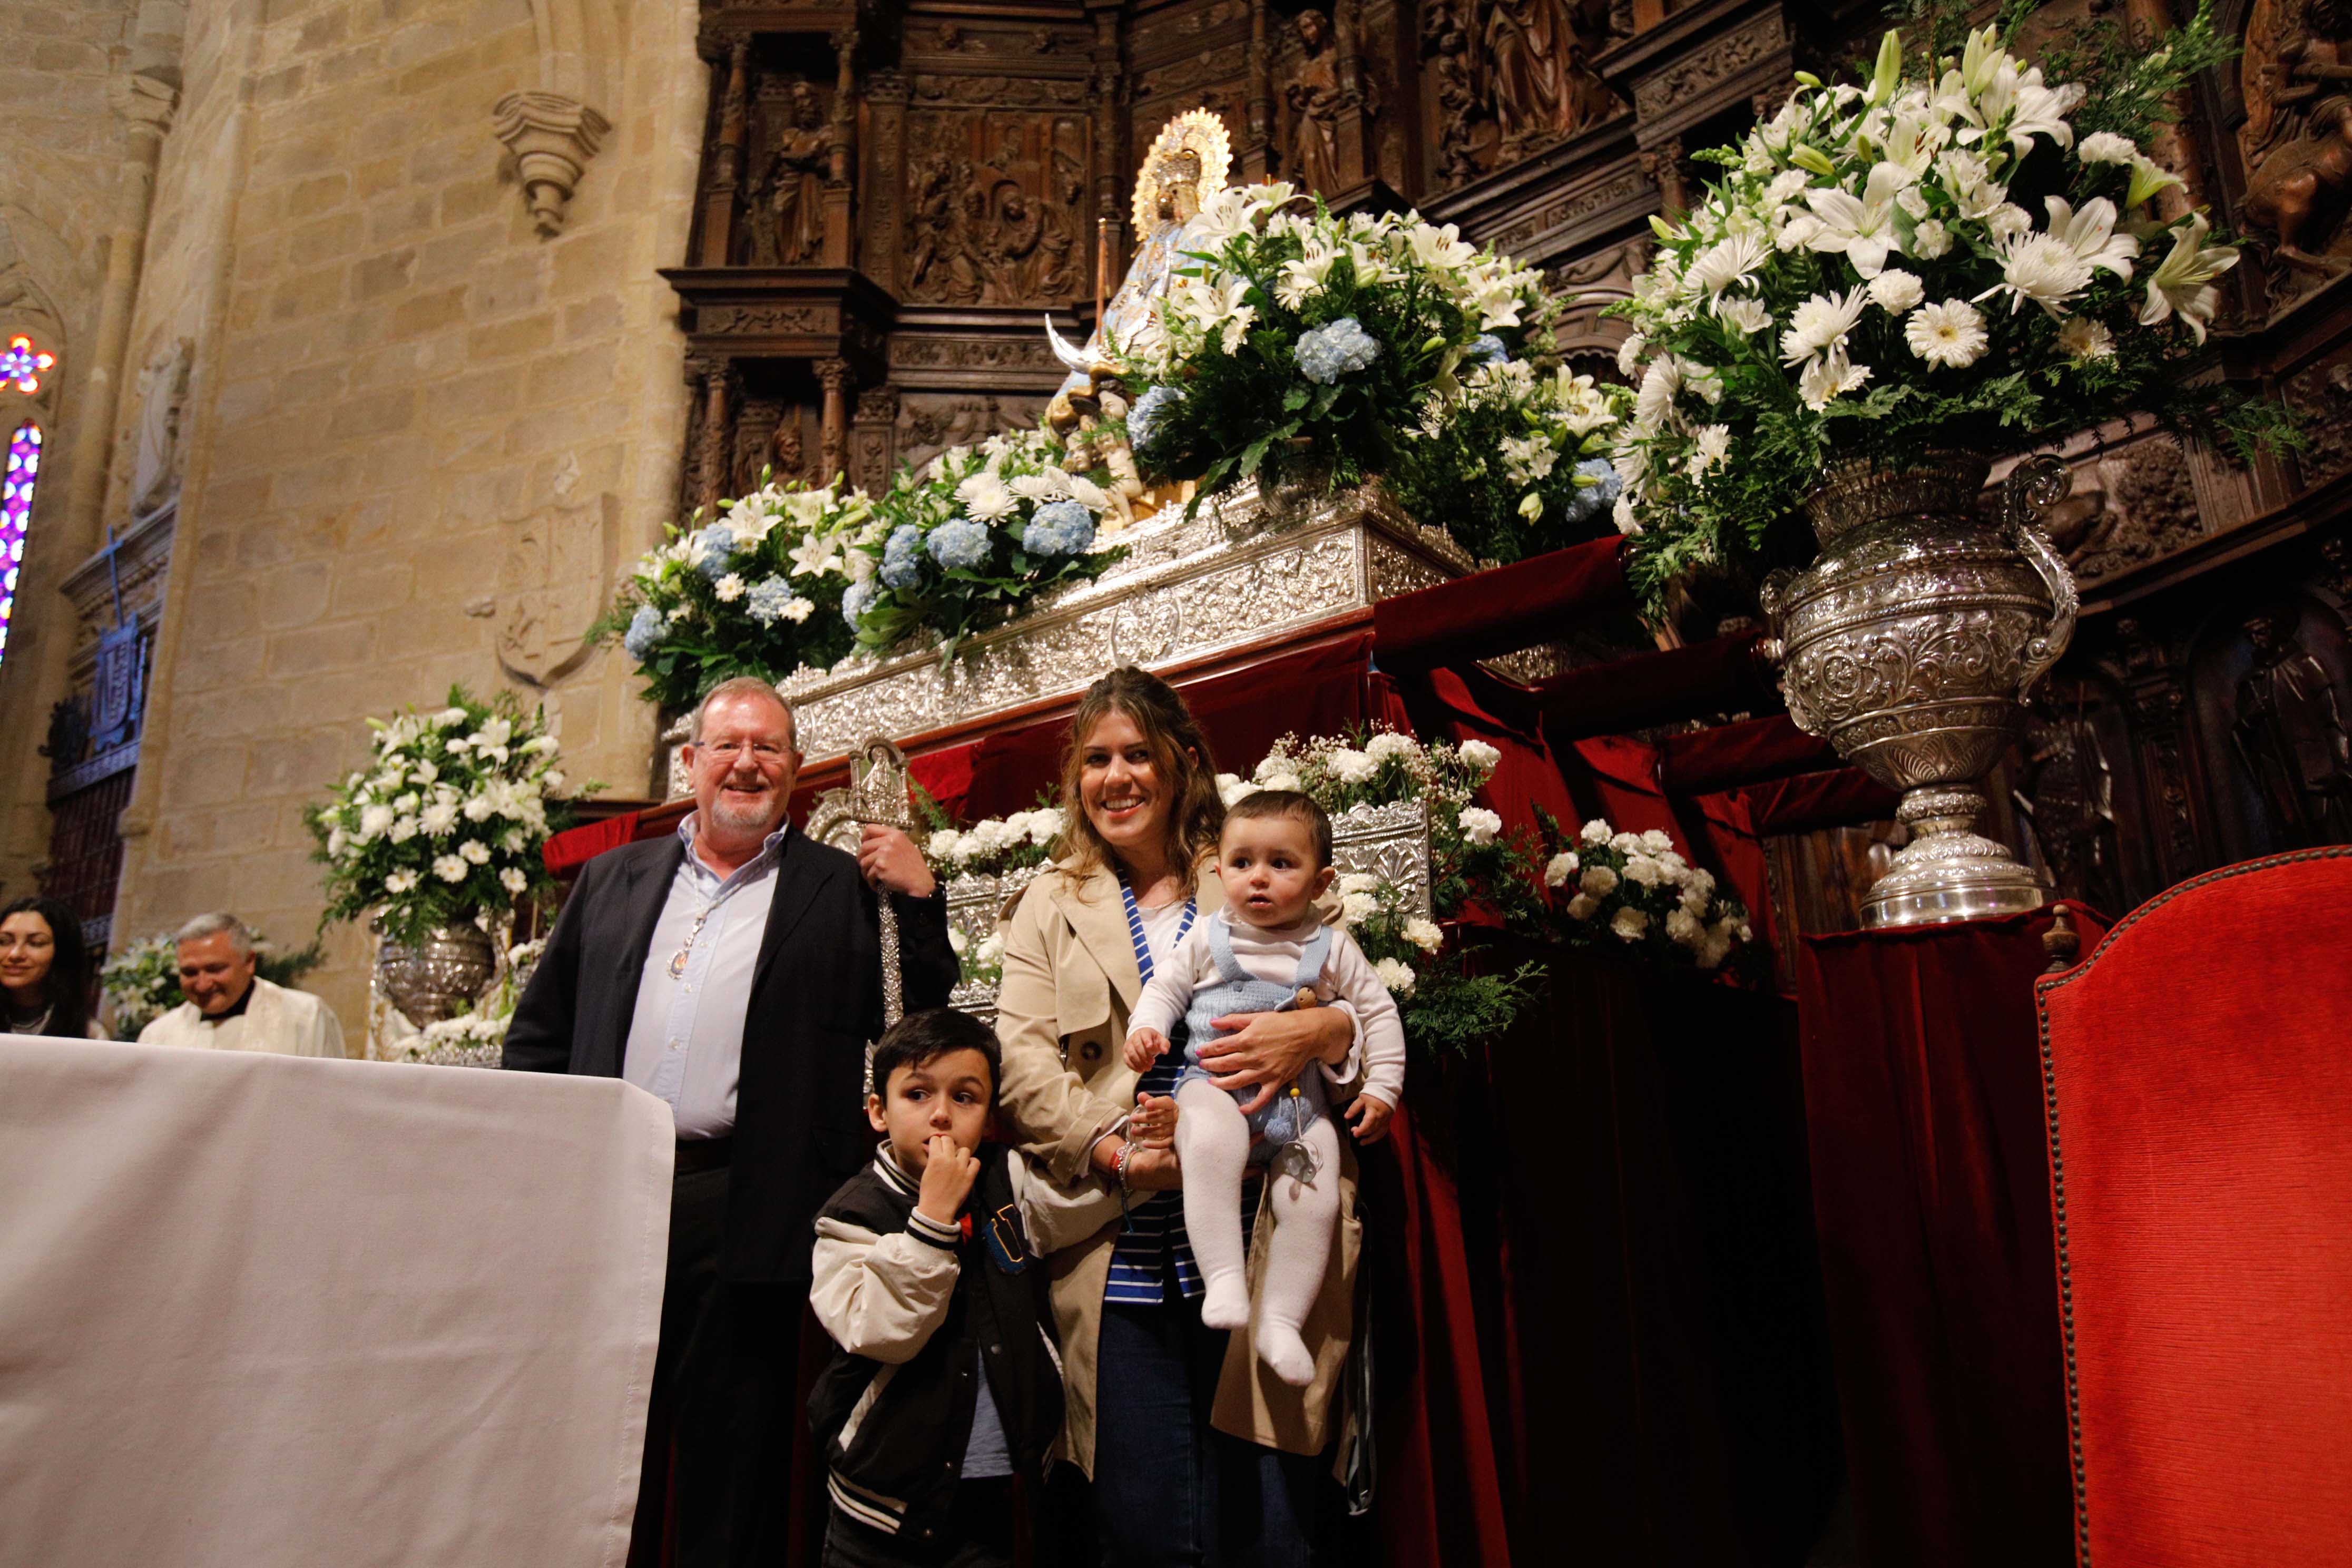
pixel 433 978
pixel 1910 645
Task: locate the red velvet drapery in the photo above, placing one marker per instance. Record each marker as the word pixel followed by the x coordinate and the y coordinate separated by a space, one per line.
pixel 1931 1194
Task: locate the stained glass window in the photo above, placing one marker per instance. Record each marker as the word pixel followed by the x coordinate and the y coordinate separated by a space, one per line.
pixel 23 363
pixel 16 509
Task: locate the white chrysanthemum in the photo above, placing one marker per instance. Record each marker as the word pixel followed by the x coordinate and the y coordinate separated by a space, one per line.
pixel 374 820
pixel 438 819
pixel 513 881
pixel 1629 923
pixel 1629 353
pixel 1819 324
pixel 399 881
pixel 985 496
pixel 729 589
pixel 450 868
pixel 1739 311
pixel 474 852
pixel 1951 333
pixel 1560 868
pixel 1709 449
pixel 1656 402
pixel 2106 147
pixel 2085 339
pixel 1395 974
pixel 1621 513
pixel 1830 376
pixel 1731 259
pixel 1896 291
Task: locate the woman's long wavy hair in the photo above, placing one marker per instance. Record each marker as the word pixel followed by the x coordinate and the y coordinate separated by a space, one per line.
pixel 1180 754
pixel 70 973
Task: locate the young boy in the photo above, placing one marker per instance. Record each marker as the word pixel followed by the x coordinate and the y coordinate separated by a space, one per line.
pixel 1265 950
pixel 947 1382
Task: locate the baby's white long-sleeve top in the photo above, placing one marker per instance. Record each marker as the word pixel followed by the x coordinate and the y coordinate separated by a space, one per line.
pixel 1273 954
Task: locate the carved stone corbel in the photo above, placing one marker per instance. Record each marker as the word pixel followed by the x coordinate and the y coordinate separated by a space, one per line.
pixel 551 137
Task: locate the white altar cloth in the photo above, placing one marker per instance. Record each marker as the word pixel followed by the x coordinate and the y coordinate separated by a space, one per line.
pixel 264 1311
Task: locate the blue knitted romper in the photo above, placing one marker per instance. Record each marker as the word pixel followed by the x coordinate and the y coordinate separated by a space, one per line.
pixel 1287 1117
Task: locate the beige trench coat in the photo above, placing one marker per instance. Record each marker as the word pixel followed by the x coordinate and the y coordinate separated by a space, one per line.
pixel 1070 979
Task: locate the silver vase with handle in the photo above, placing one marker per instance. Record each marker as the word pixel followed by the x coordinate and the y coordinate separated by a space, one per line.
pixel 1910 646
pixel 440 974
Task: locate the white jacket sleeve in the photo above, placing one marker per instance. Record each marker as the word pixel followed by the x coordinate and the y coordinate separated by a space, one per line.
pixel 1054 1216
pixel 882 1296
pixel 1379 1027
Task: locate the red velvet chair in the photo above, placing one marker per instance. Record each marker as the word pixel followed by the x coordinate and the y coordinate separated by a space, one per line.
pixel 2198 1078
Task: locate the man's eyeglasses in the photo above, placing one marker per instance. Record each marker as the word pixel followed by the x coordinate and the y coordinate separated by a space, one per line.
pixel 762 751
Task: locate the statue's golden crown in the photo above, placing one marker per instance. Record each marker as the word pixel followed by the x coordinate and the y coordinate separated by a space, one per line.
pixel 1197 132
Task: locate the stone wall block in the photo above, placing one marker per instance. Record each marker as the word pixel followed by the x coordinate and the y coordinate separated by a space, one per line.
pixel 206 773
pixel 336 645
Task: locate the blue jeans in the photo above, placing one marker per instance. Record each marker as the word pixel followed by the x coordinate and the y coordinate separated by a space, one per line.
pixel 1167 1489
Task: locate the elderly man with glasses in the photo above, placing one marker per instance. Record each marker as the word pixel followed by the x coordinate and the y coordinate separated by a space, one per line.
pixel 734 970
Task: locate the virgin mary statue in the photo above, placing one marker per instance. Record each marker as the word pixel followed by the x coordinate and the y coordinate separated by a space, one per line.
pixel 1188 160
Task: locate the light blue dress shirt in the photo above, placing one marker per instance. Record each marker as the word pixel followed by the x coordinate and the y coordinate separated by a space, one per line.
pixel 685 1037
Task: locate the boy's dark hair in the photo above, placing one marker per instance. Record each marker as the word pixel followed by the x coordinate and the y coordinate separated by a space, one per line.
pixel 925 1036
pixel 1287 802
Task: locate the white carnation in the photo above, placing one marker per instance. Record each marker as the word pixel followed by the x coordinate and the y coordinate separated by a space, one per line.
pixel 1629 923
pixel 1389 743
pixel 1560 868
pixel 1351 766
pixel 1685 928
pixel 2106 147
pixel 1425 935
pixel 1583 907
pixel 1396 975
pixel 1643 869
pixel 1481 756
pixel 1896 291
pixel 1598 880
pixel 1479 826
pixel 1596 831
pixel 1655 842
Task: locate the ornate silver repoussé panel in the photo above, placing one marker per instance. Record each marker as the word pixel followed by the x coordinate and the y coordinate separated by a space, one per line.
pixel 1245 568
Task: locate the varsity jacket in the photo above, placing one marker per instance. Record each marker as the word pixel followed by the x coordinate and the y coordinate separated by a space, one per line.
pixel 916 1308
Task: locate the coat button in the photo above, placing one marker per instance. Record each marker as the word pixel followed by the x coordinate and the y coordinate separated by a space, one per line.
pixel 1091 1050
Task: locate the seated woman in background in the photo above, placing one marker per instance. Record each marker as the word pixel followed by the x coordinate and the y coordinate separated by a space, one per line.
pixel 44 970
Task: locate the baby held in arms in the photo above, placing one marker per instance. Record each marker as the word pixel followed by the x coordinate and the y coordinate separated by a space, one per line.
pixel 1263 952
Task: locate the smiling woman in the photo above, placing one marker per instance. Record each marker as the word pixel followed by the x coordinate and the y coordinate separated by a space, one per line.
pixel 1140 812
pixel 44 970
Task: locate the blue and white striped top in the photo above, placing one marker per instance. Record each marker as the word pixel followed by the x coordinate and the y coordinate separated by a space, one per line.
pixel 1153 1246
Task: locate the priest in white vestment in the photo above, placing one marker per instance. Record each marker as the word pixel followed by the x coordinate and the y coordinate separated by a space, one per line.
pixel 231 1008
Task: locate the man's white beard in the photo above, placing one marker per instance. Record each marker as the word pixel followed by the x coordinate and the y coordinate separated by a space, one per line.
pixel 742 818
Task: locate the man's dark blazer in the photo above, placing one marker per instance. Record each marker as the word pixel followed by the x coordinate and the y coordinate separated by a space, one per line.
pixel 817 1000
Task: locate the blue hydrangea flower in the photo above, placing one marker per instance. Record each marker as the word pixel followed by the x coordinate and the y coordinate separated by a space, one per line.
pixel 1143 419
pixel 1486 349
pixel 767 599
pixel 645 628
pixel 857 600
pixel 711 551
pixel 961 544
pixel 1064 528
pixel 1591 501
pixel 1327 353
pixel 902 556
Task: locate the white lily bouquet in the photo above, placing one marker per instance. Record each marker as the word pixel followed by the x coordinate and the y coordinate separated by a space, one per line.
pixel 1632 891
pixel 1960 253
pixel 446 825
pixel 757 590
pixel 974 537
pixel 1292 343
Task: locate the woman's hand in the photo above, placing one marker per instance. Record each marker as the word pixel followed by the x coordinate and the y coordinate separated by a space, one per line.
pixel 1153 1171
pixel 1270 1050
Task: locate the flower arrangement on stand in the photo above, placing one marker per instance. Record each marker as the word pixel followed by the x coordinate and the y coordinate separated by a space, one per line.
pixel 1632 891
pixel 1516 461
pixel 1960 253
pixel 476 1038
pixel 998 854
pixel 757 590
pixel 974 537
pixel 444 827
pixel 141 982
pixel 1293 344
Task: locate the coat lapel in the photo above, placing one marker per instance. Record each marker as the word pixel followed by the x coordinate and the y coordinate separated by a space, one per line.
pixel 1097 916
pixel 801 874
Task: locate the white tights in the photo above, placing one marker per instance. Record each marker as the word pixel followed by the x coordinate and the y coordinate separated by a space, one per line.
pixel 1212 1139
